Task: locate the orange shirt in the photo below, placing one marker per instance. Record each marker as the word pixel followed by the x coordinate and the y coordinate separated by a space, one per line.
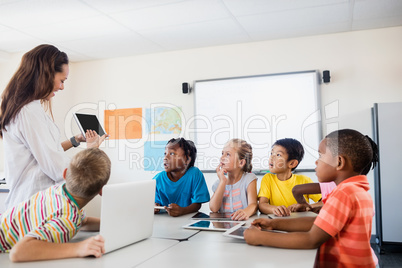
pixel 347 216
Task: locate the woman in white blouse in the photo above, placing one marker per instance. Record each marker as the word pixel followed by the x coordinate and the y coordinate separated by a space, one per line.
pixel 34 154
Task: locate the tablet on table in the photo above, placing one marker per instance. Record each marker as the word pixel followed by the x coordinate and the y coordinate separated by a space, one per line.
pixel 295 215
pixel 238 232
pixel 212 216
pixel 212 225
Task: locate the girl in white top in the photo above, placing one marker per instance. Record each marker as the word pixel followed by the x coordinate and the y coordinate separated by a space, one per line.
pixel 236 192
pixel 34 153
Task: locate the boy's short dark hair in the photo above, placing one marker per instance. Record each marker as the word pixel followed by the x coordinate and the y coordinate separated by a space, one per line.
pixel 361 150
pixel 88 172
pixel 293 148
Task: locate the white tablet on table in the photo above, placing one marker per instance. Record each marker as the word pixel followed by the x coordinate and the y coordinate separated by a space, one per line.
pixel 238 232
pixel 294 215
pixel 212 225
pixel 88 122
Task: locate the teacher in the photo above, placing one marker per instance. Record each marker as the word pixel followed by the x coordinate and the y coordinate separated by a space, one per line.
pixel 33 151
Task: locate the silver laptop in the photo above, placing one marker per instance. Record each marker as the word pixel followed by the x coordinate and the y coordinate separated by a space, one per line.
pixel 127 213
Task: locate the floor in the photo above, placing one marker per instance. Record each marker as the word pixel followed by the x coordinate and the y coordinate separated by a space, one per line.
pixel 390 257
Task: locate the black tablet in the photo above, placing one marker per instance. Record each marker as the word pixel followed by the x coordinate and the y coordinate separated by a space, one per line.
pixel 221 226
pixel 212 216
pixel 88 121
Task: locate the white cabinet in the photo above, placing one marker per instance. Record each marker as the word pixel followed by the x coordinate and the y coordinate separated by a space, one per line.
pixel 387 126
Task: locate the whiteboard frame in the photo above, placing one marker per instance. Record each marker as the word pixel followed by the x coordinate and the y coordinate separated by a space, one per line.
pixel 316 92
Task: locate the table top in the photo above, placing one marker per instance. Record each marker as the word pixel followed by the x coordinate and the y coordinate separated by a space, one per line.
pixel 169 227
pixel 129 256
pixel 206 254
pixel 174 246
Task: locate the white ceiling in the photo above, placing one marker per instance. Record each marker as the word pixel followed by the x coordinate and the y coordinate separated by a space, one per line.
pixel 97 29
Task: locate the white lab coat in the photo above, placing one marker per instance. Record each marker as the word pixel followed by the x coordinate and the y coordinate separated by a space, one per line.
pixel 34 157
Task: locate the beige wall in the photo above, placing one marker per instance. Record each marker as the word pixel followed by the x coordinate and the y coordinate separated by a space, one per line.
pixel 365 68
pixel 7 69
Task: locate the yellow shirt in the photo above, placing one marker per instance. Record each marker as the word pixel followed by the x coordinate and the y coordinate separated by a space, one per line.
pixel 279 193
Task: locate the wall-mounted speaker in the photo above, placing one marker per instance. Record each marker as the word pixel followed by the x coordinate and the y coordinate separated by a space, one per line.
pixel 325 76
pixel 186 88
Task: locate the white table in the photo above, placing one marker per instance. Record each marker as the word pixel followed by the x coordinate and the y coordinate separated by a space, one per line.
pixel 169 227
pixel 196 249
pixel 129 256
pixel 218 254
pixel 212 249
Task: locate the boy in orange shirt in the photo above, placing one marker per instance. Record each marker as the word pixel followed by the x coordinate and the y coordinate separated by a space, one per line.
pixel 342 229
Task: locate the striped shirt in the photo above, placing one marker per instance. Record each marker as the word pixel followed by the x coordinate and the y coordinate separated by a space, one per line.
pixel 51 215
pixel 235 196
pixel 347 216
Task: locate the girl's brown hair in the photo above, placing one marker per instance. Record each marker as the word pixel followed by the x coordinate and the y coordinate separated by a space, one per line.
pixel 244 151
pixel 33 80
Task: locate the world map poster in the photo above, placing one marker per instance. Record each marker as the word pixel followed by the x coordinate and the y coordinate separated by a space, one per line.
pixel 164 120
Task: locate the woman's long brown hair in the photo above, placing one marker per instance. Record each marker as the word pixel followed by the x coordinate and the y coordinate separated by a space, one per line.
pixel 33 80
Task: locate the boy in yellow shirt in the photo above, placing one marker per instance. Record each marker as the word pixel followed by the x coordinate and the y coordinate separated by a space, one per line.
pixel 275 195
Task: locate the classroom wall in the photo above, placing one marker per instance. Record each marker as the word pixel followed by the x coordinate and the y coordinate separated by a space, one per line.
pixel 365 68
pixel 7 69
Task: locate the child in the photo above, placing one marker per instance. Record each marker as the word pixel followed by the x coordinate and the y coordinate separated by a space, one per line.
pixel 181 188
pixel 275 193
pixel 39 228
pixel 342 229
pixel 300 190
pixel 237 192
pixel 324 188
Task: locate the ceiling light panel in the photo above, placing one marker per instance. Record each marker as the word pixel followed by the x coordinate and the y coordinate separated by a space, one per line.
pixel 27 13
pixel 109 6
pixel 77 29
pixel 185 12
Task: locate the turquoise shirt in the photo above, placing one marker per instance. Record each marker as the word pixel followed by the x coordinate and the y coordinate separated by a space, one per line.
pixel 189 189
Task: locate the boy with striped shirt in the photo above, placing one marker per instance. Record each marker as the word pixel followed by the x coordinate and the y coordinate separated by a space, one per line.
pixel 39 228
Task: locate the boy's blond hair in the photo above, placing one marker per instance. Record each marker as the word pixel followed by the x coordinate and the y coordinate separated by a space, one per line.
pixel 88 172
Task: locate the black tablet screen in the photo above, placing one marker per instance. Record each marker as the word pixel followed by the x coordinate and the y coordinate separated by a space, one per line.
pixel 89 121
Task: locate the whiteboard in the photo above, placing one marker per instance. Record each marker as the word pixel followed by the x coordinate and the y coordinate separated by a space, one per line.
pixel 259 109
